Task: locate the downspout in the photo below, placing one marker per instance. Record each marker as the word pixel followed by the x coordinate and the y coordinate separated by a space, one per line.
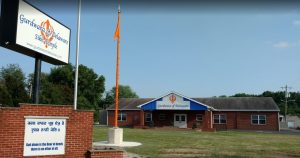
pixel 278 121
pixel 106 117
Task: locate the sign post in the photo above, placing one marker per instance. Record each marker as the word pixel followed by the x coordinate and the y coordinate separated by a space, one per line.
pixel 36 82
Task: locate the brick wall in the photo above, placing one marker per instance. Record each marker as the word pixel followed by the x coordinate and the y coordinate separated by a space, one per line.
pixel 235 119
pixel 242 120
pixel 79 129
pixel 106 153
pixel 132 118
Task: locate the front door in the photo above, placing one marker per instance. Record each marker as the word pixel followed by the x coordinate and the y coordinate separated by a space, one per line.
pixel 180 120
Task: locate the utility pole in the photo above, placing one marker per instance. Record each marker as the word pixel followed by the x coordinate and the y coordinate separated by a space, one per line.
pixel 286 96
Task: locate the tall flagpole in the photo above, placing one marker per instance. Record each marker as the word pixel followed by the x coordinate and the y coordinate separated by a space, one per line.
pixel 77 55
pixel 117 35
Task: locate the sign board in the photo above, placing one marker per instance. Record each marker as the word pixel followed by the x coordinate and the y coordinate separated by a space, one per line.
pixel 29 31
pixel 173 102
pixel 44 136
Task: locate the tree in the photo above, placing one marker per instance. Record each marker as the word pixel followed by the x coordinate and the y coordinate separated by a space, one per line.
pixel 57 87
pixel 90 86
pixel 279 97
pixel 125 91
pixel 12 86
pixel 244 95
pixel 5 97
pixel 62 75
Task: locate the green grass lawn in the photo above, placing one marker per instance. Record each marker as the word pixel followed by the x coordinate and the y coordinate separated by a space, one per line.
pixel 190 143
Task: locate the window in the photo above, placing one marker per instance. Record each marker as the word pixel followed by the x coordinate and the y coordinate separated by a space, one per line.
pixel 199 117
pixel 258 119
pixel 121 116
pixel 148 117
pixel 183 118
pixel 177 117
pixel 162 117
pixel 219 119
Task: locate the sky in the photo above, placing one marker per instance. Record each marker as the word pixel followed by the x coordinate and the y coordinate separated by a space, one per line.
pixel 195 49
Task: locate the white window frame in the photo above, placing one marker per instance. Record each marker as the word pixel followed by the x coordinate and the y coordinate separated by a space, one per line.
pixel 122 114
pixel 258 119
pixel 219 118
pixel 197 117
pixel 149 114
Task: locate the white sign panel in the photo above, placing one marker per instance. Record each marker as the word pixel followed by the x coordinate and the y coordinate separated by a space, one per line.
pixel 173 102
pixel 44 136
pixel 40 33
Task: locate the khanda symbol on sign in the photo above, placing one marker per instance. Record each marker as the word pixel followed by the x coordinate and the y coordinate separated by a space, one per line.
pixel 172 98
pixel 48 33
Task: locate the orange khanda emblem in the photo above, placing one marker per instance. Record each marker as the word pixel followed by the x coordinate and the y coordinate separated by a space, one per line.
pixel 48 32
pixel 172 98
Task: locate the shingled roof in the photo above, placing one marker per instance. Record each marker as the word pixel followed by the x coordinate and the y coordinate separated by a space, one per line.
pixel 130 103
pixel 240 103
pixel 219 104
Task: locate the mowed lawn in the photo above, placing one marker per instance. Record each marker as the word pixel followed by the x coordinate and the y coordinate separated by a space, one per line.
pixel 190 143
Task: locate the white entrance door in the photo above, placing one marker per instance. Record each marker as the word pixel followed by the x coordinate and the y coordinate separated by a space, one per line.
pixel 180 120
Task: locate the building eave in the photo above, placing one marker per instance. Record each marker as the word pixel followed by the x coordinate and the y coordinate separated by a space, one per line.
pixel 245 110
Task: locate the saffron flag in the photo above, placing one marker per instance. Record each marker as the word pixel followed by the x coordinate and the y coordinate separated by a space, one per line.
pixel 117 33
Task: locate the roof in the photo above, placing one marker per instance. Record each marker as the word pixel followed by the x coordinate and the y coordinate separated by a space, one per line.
pixel 130 103
pixel 219 104
pixel 241 103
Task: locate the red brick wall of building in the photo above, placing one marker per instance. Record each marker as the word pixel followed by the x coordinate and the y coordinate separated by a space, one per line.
pixel 242 120
pixel 235 120
pixel 132 118
pixel 79 129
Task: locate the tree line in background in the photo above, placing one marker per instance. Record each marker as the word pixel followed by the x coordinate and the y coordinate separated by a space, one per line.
pixel 57 87
pixel 293 107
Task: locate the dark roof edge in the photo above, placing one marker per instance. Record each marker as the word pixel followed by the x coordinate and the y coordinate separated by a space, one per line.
pixel 245 110
pixel 123 109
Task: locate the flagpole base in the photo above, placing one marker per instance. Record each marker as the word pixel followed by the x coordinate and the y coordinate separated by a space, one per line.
pixel 115 135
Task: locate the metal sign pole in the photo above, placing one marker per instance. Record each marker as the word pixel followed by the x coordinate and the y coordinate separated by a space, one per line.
pixel 77 55
pixel 36 82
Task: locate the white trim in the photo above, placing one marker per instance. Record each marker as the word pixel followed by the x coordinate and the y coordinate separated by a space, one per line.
pixel 209 107
pixel 185 120
pixel 106 118
pixel 258 116
pixel 278 121
pixel 122 116
pixel 219 118
pixel 46 117
pixel 211 119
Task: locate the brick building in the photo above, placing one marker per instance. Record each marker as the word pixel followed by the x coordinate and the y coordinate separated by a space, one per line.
pixel 208 114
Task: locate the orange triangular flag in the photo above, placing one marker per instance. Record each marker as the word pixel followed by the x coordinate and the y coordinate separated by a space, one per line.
pixel 117 33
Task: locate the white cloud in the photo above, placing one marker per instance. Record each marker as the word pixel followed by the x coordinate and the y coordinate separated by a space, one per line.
pixel 282 44
pixel 296 23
